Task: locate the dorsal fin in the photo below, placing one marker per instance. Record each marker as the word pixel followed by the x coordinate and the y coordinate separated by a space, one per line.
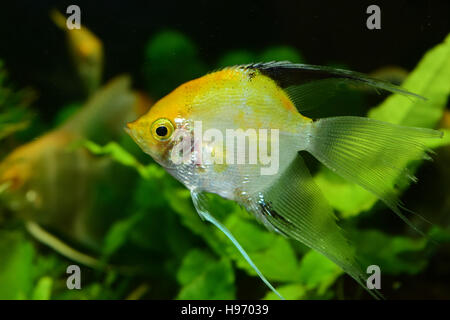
pixel 310 86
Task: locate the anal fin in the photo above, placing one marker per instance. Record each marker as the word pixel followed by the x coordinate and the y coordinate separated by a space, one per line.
pixel 295 207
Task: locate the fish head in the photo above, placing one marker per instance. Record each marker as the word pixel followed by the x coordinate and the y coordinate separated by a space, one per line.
pixel 156 131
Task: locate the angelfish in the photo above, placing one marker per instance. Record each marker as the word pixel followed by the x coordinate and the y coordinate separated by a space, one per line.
pixel 86 50
pixel 271 95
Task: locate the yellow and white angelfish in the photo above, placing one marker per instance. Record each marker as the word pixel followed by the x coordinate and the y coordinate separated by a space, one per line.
pixel 264 100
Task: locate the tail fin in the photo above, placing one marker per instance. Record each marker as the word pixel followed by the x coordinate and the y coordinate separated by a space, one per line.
pixel 371 153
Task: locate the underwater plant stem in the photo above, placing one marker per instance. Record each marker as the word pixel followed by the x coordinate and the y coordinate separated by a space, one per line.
pixel 56 244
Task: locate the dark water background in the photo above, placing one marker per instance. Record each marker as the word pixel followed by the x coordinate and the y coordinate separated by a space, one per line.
pixel 323 31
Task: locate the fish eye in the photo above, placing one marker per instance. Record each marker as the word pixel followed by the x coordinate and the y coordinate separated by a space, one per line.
pixel 162 129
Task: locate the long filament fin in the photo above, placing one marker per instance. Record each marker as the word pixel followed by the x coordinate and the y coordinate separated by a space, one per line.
pixel 196 197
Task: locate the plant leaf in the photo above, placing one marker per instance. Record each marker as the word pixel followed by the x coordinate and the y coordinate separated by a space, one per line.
pixel 203 277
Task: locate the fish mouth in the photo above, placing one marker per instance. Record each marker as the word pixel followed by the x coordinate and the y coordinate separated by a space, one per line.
pixel 131 131
pixel 134 133
pixel 135 136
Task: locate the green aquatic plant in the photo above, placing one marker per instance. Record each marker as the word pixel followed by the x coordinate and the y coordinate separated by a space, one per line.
pixel 170 59
pixel 275 53
pixel 15 114
pixel 280 53
pixel 236 57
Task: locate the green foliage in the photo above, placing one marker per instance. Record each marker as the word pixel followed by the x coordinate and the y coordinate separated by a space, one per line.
pixel 281 53
pixel 43 289
pixel 14 113
pixel 65 113
pixel 119 154
pixel 272 253
pixel 23 273
pixel 289 291
pixel 170 59
pixel 276 53
pixel 318 272
pixel 16 269
pixel 236 57
pixel 429 79
pixel 118 234
pixel 397 254
pixel 203 277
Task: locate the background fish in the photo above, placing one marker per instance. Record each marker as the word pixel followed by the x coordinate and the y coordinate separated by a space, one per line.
pixel 51 179
pixel 86 51
pixel 271 96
